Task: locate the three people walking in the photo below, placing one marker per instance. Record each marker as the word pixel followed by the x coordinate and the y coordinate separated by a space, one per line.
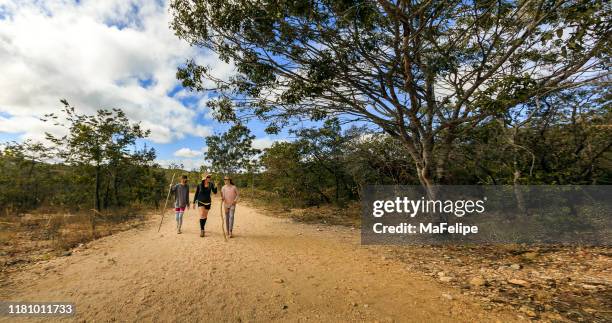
pixel 203 200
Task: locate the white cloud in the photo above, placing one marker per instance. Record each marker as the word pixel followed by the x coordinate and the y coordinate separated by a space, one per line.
pixel 96 54
pixel 187 153
pixel 188 164
pixel 265 142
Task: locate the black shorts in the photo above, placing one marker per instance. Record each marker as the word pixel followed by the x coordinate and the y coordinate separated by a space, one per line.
pixel 205 205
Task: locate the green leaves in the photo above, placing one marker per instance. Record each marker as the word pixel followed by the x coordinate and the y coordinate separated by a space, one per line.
pixel 223 109
pixel 423 71
pixel 96 139
pixel 272 129
pixel 505 94
pixel 191 75
pixel 96 160
pixel 232 151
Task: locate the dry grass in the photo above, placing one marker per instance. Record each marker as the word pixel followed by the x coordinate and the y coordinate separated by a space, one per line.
pixel 348 215
pixel 40 236
pixel 6 237
pixel 328 214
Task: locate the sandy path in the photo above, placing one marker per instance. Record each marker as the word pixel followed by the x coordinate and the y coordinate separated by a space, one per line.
pixel 273 269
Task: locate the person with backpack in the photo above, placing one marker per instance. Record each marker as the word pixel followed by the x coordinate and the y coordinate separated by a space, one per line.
pixel 181 201
pixel 229 197
pixel 202 199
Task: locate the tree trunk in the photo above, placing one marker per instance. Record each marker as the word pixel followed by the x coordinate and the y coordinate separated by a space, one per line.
pixel 97 189
pixel 427 181
pixel 424 162
pixel 96 202
pixel 116 189
pixel 107 194
pixel 443 160
pixel 337 184
pixel 518 194
pixel 511 135
pixel 29 199
pixel 252 184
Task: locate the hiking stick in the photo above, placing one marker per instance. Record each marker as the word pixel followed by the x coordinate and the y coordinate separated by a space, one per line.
pixel 166 204
pixel 223 222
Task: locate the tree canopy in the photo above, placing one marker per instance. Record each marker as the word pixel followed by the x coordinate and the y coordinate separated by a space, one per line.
pixel 425 72
pixel 231 151
pixel 99 142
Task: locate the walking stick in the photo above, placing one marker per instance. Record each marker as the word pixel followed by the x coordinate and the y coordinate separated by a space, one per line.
pixel 223 222
pixel 163 212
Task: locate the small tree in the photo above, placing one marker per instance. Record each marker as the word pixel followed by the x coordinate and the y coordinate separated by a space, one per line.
pixel 28 155
pixel 95 140
pixel 325 148
pixel 231 151
pixel 288 174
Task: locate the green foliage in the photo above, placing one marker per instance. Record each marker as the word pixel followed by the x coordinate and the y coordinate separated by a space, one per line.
pixel 327 165
pixel 561 139
pixel 424 72
pixel 231 151
pixel 95 165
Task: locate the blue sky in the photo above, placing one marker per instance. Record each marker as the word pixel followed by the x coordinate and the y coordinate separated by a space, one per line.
pixel 105 54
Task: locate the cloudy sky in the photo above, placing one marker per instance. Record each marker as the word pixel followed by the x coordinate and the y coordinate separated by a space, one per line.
pixel 103 54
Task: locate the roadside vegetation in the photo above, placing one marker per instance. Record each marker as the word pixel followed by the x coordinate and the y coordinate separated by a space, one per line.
pixel 89 183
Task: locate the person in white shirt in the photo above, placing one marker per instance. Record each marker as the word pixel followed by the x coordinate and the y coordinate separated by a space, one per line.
pixel 229 197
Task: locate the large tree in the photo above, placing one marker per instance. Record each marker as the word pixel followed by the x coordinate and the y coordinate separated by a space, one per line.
pixel 426 72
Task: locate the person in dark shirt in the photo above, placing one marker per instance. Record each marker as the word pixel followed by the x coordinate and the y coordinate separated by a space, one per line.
pixel 181 200
pixel 203 200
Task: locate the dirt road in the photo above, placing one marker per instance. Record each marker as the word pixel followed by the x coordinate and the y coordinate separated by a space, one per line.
pixel 273 269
